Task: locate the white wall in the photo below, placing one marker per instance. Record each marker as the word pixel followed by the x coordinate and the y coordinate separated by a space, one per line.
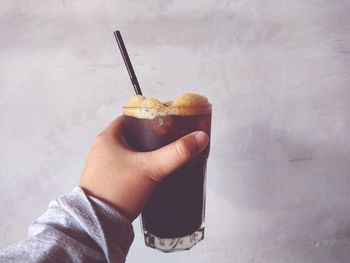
pixel 277 73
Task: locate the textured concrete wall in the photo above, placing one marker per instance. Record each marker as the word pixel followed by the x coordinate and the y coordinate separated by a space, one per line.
pixel 277 73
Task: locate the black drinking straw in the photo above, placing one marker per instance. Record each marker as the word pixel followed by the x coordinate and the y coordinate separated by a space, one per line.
pixel 127 62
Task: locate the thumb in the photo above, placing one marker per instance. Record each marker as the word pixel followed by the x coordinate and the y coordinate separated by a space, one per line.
pixel 172 156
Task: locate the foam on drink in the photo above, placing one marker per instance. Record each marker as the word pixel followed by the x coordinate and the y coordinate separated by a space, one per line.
pixel 186 104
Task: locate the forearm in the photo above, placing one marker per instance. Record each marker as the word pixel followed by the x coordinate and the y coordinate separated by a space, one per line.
pixel 76 228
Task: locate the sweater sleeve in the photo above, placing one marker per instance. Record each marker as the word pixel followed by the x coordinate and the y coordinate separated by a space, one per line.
pixel 75 228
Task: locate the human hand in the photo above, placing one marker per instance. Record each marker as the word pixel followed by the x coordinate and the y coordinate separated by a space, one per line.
pixel 124 178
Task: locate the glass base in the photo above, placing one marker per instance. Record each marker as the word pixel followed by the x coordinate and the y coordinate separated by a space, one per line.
pixel 174 244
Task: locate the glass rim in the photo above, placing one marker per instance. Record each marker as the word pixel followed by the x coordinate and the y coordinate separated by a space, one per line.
pixel 209 105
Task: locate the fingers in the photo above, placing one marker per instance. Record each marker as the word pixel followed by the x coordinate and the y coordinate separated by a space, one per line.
pixel 114 131
pixel 169 158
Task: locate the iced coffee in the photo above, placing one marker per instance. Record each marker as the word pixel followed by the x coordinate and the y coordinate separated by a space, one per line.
pixel 173 219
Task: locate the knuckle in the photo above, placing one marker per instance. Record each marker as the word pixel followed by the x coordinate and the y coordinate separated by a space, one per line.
pixel 184 150
pixel 155 175
pixel 152 169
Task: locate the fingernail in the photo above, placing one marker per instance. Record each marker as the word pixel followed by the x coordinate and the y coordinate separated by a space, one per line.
pixel 201 138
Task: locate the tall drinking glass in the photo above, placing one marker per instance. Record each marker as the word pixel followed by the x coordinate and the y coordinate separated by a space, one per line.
pixel 173 219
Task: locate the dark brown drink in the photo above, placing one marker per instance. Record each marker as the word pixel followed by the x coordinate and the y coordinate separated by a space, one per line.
pixel 176 209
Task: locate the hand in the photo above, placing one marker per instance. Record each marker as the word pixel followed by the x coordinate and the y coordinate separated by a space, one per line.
pixel 125 178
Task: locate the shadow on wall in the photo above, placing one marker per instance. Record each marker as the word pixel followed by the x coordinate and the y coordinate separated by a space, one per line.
pixel 298 178
pixel 299 187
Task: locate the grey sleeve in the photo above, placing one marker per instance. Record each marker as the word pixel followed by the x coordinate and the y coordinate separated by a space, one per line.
pixel 75 228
